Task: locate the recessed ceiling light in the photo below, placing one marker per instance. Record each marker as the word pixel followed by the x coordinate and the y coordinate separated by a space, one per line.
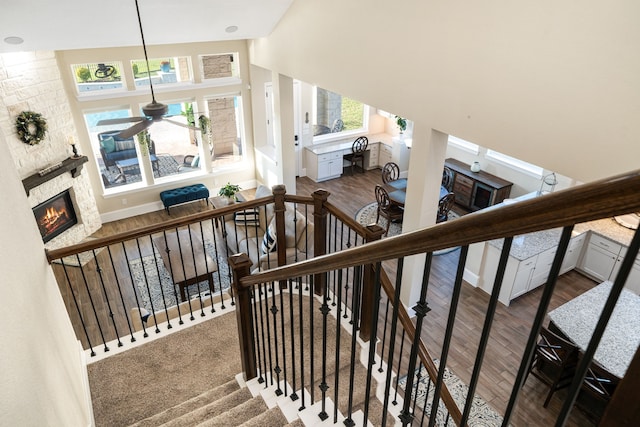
pixel 13 40
pixel 231 29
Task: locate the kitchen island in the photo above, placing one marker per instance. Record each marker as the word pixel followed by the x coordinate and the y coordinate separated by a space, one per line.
pixel 577 320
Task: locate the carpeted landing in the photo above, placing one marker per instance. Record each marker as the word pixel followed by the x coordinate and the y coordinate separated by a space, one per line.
pixel 184 379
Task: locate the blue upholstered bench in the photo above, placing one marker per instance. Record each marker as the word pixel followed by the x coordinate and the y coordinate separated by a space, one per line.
pixel 186 194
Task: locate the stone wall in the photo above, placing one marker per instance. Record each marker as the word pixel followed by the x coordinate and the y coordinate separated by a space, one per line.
pixel 30 81
pixel 216 66
pixel 223 124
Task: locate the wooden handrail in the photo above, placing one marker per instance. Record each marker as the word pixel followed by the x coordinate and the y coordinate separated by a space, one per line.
pixel 170 224
pixel 601 199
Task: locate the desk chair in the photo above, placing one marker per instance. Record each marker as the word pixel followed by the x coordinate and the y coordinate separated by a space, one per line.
pixel 390 172
pixel 358 148
pixel 387 209
pixel 444 206
pixel 554 362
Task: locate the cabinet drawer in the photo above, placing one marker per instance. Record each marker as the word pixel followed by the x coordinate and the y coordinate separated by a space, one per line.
pixel 329 156
pixel 604 243
pixel 384 148
pixel 464 181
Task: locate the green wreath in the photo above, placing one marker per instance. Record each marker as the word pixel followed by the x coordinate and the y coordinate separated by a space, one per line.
pixel 31 127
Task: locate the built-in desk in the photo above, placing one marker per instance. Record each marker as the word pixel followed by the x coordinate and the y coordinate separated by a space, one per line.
pixel 324 161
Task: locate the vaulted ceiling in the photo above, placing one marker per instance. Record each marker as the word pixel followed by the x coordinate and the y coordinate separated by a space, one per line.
pixel 81 24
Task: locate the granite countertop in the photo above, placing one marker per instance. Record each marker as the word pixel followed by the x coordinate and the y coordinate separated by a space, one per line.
pixel 346 143
pixel 577 319
pixel 528 245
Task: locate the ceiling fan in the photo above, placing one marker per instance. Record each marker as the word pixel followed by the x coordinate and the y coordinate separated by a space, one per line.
pixel 153 112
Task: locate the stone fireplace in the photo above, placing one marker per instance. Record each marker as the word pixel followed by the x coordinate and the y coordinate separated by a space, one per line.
pixel 31 82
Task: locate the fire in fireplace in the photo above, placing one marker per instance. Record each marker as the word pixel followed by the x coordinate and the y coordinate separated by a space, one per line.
pixel 55 216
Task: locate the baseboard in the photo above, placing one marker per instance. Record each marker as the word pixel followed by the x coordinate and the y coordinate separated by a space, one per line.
pixel 471 278
pixel 132 211
pixel 85 384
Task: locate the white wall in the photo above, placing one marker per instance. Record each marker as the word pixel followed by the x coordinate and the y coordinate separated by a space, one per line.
pixel 42 370
pixel 554 84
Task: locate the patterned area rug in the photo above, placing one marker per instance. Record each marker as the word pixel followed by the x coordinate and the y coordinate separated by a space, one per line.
pixel 367 215
pixel 159 280
pixel 481 415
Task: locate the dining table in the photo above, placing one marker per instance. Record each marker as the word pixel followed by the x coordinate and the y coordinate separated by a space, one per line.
pixel 577 319
pixel 397 191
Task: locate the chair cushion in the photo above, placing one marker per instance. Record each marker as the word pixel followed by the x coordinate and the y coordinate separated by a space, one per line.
pixel 196 161
pixel 127 144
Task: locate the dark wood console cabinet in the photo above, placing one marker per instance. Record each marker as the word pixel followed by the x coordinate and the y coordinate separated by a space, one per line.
pixel 476 190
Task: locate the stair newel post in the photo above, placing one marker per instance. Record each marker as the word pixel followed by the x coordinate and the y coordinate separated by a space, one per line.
pixel 240 265
pixel 279 209
pixel 373 232
pixel 319 234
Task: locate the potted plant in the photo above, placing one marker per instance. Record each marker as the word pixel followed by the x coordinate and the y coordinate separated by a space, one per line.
pixel 165 66
pixel 229 191
pixel 402 123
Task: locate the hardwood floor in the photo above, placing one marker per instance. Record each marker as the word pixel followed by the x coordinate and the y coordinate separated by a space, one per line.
pixel 510 327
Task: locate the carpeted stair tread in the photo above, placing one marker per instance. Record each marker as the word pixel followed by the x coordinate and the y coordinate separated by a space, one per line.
pixel 190 405
pixel 295 423
pixel 213 409
pixel 273 417
pixel 238 415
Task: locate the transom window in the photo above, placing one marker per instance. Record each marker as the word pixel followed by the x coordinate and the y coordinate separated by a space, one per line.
pixel 98 77
pixel 163 71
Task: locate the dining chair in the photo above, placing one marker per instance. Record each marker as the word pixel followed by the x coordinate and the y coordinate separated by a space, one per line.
pixel 390 172
pixel 391 212
pixel 596 390
pixel 447 178
pixel 444 206
pixel 554 362
pixel 358 149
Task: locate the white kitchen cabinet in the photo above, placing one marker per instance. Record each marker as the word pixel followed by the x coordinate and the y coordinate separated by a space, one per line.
pixel 385 155
pixel 602 260
pixel 600 257
pixel 522 280
pixel 517 275
pixel 542 268
pixel 633 281
pixel 574 250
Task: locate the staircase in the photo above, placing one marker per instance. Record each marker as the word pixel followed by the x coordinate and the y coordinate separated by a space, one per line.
pixel 226 405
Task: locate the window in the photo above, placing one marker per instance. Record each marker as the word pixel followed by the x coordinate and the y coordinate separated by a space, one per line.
pixel 465 145
pixel 225 140
pixel 163 71
pixel 92 77
pixel 337 115
pixel 219 66
pixel 529 168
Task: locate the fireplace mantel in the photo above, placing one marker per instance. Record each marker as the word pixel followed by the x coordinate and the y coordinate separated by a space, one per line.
pixel 73 165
